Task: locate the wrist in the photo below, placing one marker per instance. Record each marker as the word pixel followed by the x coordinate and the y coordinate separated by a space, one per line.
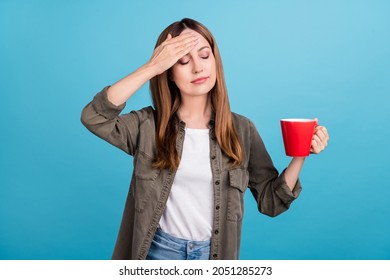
pixel 299 158
pixel 297 162
pixel 152 69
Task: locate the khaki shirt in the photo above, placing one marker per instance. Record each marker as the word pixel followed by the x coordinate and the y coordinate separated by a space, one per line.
pixel 134 133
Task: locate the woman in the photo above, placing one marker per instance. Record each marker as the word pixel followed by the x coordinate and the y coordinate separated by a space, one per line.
pixel 193 158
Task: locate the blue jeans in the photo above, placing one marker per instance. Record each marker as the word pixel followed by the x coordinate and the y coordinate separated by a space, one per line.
pixel 167 247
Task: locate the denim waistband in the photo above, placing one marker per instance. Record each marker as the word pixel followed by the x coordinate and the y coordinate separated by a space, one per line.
pixel 168 247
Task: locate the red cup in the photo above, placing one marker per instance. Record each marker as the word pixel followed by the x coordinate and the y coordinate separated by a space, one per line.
pixel 297 136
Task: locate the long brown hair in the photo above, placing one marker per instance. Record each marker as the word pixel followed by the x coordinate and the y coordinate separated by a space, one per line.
pixel 166 100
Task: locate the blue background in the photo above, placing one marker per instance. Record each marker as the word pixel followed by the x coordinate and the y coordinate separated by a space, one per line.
pixel 62 190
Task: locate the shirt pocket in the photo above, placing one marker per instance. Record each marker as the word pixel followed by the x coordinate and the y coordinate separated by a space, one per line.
pixel 238 182
pixel 145 179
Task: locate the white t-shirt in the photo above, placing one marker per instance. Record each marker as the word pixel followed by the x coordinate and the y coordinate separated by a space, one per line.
pixel 189 210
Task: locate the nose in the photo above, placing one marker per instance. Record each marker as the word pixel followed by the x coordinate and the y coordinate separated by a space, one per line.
pixel 197 66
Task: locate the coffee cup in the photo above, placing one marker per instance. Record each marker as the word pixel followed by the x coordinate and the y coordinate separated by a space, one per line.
pixel 297 136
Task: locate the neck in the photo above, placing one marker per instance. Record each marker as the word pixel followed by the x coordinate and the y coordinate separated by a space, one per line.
pixel 195 111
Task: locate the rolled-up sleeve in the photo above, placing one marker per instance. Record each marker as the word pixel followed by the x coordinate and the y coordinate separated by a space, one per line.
pixel 102 118
pixel 268 187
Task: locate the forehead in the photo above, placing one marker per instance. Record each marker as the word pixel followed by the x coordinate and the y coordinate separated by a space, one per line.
pixel 202 41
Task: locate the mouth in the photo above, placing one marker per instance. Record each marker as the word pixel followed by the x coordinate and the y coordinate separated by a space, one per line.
pixel 200 80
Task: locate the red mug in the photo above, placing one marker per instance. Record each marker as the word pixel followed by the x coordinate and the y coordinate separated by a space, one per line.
pixel 297 136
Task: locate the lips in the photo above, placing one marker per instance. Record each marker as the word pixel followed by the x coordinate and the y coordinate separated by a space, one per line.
pixel 200 80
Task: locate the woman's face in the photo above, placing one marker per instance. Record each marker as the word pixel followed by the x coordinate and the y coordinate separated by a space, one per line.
pixel 195 73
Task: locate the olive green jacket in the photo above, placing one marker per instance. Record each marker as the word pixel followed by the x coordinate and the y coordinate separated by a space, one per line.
pixel 134 133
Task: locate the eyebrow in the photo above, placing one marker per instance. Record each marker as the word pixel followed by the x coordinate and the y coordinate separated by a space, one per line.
pixel 203 48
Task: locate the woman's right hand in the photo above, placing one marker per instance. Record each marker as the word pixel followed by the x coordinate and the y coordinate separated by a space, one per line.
pixel 163 58
pixel 171 50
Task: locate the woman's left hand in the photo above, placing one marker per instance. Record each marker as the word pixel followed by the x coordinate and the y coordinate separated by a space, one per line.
pixel 320 139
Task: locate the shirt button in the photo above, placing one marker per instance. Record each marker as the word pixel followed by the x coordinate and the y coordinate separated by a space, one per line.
pixel 213 157
pixel 217 182
pixel 215 256
pixel 217 207
pixel 216 231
